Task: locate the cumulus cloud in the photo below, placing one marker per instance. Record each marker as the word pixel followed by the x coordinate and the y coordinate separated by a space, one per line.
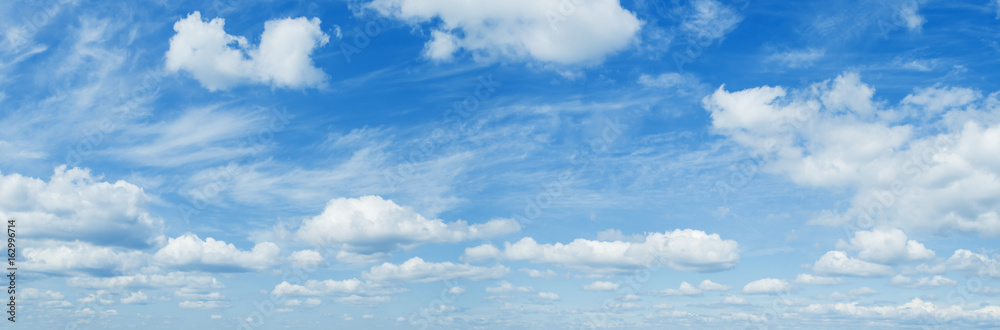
pixel 77 206
pixel 835 134
pixel 685 289
pixel 418 270
pixel 79 257
pixel 190 252
pixel 137 297
pixel 886 246
pixel 169 280
pixel 975 263
pixel 708 285
pixel 686 250
pixel 767 286
pixel 838 263
pixel 550 31
pixel 307 259
pixel 370 225
pixel 282 59
pixel 601 286
pixel 505 286
pixel 923 282
pixel 534 273
pixel 331 287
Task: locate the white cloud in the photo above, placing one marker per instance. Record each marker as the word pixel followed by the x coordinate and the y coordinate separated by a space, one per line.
pixel 685 289
pixel 909 12
pixel 974 263
pixel 457 290
pixel 135 298
pixel 102 297
pixel 307 259
pixel 838 263
pixel 708 285
pixel 916 309
pixel 360 300
pixel 767 286
pixel 551 31
pixel 548 296
pixel 330 287
pixel 77 206
pixel 534 273
pixel 417 270
pixel 601 286
pixel 886 246
pixel 282 59
pixel 169 280
pixel 834 134
pixel 709 20
pixel 802 58
pixel 79 257
pixel 32 294
pixel 190 252
pixel 686 250
pixel 734 300
pixel 821 280
pixel 923 282
pixel 937 99
pixel 371 224
pixel 505 286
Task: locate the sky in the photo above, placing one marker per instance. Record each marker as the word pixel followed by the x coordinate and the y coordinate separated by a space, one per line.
pixel 511 164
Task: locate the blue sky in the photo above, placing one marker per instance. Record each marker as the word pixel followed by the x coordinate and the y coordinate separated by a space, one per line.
pixel 467 164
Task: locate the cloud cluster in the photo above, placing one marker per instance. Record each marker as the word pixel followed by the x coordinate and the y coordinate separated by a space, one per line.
pixel 551 31
pixel 191 253
pixel 686 250
pixel 282 59
pixel 835 134
pixel 418 270
pixel 370 225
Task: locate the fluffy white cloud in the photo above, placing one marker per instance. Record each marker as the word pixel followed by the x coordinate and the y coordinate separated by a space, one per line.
pixel 686 250
pixel 813 279
pixel 190 252
pixel 685 289
pixel 418 270
pixel 838 263
pixel 916 309
pixel 708 285
pixel 767 286
pixel 974 263
pixel 282 59
pixel 505 286
pixel 79 257
pixel 169 280
pixel 137 297
pixel 371 224
pixel 886 246
pixel 534 273
pixel 923 282
pixel 601 286
pixel 331 287
pixel 937 99
pixel 545 30
pixel 307 259
pixel 77 206
pixel 833 134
